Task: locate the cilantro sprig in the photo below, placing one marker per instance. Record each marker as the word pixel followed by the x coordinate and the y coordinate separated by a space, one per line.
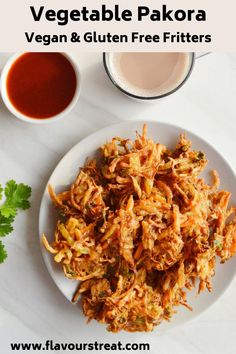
pixel 16 198
pixel 3 252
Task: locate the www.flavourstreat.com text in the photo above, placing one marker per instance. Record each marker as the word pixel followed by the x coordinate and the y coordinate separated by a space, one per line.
pixel 133 37
pixel 79 347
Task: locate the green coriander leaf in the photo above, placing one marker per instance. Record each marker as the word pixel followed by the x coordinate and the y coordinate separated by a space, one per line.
pixel 5 225
pixel 10 188
pixel 17 196
pixel 21 196
pixel 3 253
pixel 1 190
pixel 218 244
pixel 8 210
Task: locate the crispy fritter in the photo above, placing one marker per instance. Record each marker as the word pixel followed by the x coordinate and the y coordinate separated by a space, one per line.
pixel 139 228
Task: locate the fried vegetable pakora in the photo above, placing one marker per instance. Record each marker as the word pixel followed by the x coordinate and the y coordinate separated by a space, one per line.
pixel 139 229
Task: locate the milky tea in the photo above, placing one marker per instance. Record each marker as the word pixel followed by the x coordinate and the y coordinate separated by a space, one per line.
pixel 149 75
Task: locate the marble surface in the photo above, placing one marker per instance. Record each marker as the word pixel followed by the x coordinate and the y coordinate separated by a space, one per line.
pixel 31 307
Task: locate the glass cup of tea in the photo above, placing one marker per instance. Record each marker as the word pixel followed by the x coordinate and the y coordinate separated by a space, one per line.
pixel 148 76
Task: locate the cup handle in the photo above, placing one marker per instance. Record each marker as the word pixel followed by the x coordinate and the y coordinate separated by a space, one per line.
pixel 200 55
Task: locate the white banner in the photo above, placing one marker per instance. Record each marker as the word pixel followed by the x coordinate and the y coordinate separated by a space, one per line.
pixel 121 25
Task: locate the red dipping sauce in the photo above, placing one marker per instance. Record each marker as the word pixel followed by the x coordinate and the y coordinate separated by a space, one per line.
pixel 41 85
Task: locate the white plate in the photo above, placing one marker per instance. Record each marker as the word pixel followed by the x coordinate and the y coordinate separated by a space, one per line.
pixel 66 171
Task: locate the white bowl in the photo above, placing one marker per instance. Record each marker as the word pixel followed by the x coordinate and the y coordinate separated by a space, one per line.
pixel 25 118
